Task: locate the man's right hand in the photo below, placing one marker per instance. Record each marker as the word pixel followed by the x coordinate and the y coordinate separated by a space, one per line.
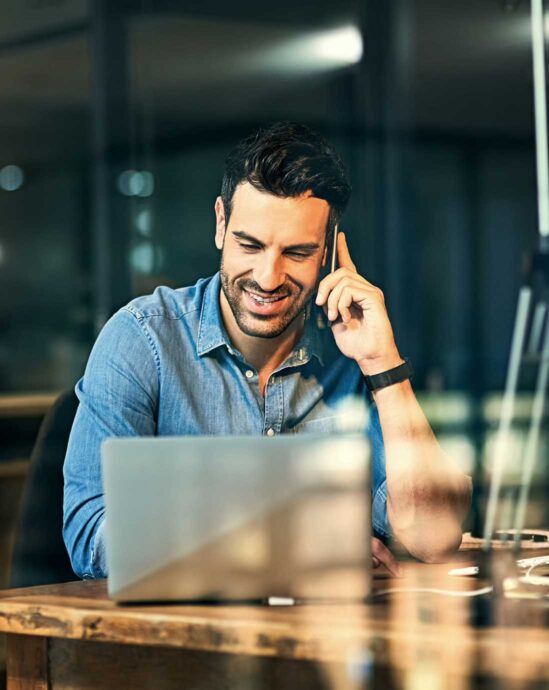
pixel 382 556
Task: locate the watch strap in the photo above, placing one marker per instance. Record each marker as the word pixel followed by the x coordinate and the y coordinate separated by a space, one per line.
pixel 391 376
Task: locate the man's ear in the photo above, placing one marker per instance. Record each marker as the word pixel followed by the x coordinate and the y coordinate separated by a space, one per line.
pixel 219 223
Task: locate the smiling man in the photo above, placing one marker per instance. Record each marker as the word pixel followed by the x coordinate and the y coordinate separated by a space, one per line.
pixel 266 346
pixel 270 263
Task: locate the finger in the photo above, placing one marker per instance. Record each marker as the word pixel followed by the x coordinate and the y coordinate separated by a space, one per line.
pixel 343 255
pixel 342 297
pixel 327 284
pixel 334 298
pixel 352 293
pixel 375 562
pixel 385 557
pixel 344 305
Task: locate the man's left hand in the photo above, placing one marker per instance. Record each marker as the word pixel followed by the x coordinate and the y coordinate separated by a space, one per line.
pixel 359 319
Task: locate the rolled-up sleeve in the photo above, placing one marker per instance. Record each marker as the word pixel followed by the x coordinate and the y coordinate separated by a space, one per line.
pixel 380 521
pixel 118 395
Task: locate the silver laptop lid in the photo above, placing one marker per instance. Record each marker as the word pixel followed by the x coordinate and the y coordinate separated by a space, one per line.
pixel 237 517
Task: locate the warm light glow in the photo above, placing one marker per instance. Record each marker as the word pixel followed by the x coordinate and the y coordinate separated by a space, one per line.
pixel 312 52
pixel 339 46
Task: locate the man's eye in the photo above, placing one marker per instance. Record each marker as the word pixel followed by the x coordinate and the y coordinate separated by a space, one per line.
pixel 299 255
pixel 249 247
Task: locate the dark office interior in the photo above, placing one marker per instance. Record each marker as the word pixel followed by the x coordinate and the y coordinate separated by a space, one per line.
pixel 116 118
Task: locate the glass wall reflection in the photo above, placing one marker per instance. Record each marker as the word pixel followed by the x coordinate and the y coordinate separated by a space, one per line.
pixel 116 118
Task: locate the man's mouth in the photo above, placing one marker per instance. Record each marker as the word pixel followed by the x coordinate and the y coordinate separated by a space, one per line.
pixel 264 304
pixel 264 300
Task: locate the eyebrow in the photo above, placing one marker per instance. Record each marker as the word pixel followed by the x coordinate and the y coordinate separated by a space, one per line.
pixel 304 246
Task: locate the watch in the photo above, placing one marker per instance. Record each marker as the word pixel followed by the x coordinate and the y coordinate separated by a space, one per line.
pixel 388 378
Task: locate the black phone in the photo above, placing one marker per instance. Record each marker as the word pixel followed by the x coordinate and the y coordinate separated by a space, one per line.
pixel 333 259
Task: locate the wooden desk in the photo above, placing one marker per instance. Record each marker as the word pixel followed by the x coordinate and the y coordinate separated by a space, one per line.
pixel 73 636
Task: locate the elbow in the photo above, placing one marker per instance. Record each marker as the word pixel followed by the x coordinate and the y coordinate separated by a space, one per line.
pixel 76 563
pixel 431 530
pixel 74 554
pixel 86 550
pixel 439 549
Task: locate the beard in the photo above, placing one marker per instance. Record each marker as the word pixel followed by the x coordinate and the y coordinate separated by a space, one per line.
pixel 264 325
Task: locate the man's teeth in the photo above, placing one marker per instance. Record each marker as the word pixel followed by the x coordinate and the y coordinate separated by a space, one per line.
pixel 265 300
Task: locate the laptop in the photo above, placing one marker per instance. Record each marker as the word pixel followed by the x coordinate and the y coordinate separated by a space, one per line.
pixel 240 518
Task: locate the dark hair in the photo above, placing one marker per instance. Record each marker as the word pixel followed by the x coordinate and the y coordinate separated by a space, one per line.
pixel 288 159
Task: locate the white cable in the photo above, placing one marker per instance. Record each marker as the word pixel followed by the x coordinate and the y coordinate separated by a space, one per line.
pixel 534 561
pixel 537 580
pixel 523 564
pixel 540 108
pixel 433 590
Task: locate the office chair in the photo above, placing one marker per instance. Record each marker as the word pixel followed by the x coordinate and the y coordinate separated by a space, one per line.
pixel 39 554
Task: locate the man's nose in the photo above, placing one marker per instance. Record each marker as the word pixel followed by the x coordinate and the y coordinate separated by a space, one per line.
pixel 269 273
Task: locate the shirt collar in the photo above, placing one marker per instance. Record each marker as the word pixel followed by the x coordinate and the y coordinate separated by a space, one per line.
pixel 212 333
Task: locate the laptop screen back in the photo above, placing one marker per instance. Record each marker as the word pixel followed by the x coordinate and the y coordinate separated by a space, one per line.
pixel 239 517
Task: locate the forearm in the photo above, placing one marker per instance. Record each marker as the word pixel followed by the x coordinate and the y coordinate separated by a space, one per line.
pixel 427 496
pixel 116 395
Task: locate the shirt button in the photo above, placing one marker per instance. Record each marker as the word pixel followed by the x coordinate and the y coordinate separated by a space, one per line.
pixel 270 432
pixel 249 374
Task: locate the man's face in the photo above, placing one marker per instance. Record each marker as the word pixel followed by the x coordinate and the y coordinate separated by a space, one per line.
pixel 272 252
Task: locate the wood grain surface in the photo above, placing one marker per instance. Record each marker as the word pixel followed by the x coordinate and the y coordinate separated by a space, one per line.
pixel 408 630
pixel 28 662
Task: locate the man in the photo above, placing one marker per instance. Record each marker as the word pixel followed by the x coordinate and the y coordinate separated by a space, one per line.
pixel 245 352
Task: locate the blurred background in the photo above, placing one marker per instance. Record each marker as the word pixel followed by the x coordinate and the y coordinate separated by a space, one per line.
pixel 115 118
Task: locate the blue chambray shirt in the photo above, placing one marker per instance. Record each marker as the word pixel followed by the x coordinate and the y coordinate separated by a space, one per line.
pixel 164 365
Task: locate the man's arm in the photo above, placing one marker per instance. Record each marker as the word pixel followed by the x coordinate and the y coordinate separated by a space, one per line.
pixel 117 394
pixel 427 496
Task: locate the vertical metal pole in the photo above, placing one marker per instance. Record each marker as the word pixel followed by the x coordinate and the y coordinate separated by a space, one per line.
pixel 501 446
pixel 540 108
pixel 110 120
pixel 542 168
pixel 532 443
pixel 400 232
pixel 385 94
pixel 525 297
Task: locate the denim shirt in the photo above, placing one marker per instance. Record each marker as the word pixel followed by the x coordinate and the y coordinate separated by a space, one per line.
pixel 164 365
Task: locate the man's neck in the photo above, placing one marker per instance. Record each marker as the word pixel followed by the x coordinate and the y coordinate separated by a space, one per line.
pixel 262 353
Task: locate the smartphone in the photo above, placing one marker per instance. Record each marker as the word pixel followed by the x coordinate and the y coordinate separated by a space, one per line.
pixel 334 249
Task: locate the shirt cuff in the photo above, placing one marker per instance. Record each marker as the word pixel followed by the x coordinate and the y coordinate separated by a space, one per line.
pixel 380 521
pixel 99 553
